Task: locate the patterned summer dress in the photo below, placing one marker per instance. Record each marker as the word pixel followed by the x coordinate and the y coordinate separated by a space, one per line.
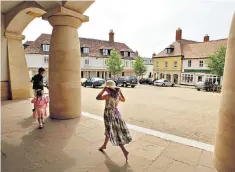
pixel 115 126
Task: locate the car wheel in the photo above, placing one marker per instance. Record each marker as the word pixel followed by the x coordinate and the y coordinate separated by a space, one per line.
pixel 163 85
pixel 124 85
pixel 93 86
pixel 198 89
pixel 84 85
pixel 172 85
pixel 133 86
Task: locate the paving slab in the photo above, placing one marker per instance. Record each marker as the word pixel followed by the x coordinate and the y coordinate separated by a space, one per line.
pixel 72 146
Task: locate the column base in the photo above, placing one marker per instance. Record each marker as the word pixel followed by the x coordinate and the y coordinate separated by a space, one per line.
pixel 63 117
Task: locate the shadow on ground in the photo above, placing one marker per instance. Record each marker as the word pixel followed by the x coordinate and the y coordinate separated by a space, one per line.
pixel 38 150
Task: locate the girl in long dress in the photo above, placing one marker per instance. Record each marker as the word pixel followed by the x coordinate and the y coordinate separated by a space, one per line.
pixel 115 127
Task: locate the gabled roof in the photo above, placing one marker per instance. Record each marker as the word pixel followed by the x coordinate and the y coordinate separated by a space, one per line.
pixel 178 48
pixel 95 46
pixel 203 49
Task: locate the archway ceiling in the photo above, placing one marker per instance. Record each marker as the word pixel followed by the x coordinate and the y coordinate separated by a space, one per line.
pixel 80 5
pixel 18 14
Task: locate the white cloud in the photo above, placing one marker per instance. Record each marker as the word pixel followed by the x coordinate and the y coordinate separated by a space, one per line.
pixel 148 26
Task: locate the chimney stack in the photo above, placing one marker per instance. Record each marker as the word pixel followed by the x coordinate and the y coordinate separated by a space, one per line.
pixel 137 53
pixel 178 35
pixel 154 54
pixel 206 38
pixel 111 36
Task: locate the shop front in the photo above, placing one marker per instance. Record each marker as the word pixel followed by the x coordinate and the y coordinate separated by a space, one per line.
pixel 191 77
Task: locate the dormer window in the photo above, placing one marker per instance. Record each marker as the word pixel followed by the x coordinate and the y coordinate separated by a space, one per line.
pixel 45 47
pixel 106 52
pixel 132 55
pixel 126 54
pixel 85 50
pixel 170 49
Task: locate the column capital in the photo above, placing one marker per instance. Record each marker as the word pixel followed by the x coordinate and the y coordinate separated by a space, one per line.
pixel 12 35
pixel 61 16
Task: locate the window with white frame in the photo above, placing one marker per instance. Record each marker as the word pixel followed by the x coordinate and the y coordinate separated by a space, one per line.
pixel 126 63
pixel 175 64
pixel 87 61
pixel 187 78
pixel 46 59
pixel 132 62
pixel 189 63
pixel 201 63
pixel 85 50
pixel 45 47
pixel 157 64
pixel 125 54
pixel 132 54
pixel 105 61
pixel 105 52
pixel 166 64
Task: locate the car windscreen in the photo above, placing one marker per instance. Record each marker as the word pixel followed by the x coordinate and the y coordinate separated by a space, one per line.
pixel 133 78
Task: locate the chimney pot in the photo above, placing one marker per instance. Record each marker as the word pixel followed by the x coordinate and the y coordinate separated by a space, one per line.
pixel 206 38
pixel 111 36
pixel 178 35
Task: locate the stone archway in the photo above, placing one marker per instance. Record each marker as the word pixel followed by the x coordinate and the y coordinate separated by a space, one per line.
pixel 65 17
pixel 15 22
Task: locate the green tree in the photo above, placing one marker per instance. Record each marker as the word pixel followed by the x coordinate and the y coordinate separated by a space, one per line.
pixel 216 61
pixel 114 63
pixel 139 67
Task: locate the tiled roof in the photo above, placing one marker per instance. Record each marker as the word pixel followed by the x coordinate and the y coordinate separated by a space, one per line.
pixel 178 48
pixel 28 42
pixel 94 45
pixel 204 49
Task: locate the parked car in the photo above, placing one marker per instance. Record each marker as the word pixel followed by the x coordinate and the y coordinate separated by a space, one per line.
pixel 142 81
pixel 83 80
pixel 94 82
pixel 200 85
pixel 149 81
pixel 163 83
pixel 126 81
pixel 207 86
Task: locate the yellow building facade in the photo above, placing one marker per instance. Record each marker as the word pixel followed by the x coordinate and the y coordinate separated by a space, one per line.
pixel 168 68
pixel 168 62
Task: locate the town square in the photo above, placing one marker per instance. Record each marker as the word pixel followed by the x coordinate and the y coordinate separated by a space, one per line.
pixel 121 86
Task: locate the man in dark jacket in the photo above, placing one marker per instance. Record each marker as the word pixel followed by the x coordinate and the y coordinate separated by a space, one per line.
pixel 37 81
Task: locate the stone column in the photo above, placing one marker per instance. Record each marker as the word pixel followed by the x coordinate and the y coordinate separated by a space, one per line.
pixel 224 153
pixel 20 87
pixel 64 64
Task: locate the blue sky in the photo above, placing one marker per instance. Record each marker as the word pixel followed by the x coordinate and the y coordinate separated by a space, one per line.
pixel 149 26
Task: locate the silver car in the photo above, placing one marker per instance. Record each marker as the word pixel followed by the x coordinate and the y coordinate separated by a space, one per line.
pixel 163 83
pixel 200 85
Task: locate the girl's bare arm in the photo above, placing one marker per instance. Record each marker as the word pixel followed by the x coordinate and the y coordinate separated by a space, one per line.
pixel 100 96
pixel 121 97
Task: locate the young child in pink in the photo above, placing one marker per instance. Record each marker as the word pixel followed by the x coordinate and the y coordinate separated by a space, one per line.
pixel 40 103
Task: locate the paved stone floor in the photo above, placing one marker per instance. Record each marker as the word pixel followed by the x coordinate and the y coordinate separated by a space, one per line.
pixel 71 146
pixel 179 111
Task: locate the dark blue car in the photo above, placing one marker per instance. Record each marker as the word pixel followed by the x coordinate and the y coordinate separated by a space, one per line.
pixel 94 82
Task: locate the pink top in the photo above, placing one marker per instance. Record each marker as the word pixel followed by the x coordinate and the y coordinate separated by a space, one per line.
pixel 41 102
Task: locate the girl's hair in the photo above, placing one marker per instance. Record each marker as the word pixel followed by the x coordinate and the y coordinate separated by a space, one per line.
pixel 113 92
pixel 38 94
